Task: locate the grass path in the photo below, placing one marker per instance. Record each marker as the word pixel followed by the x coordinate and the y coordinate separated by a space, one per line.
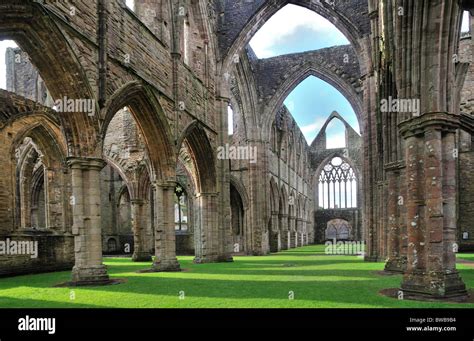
pixel 317 281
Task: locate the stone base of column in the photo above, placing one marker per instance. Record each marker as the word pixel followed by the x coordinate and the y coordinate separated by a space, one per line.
pixel 141 257
pixel 293 240
pixel 274 242
pixel 92 275
pixel 225 259
pixel 396 265
pixel 166 265
pixel 206 259
pixel 284 240
pixel 434 286
pixel 373 258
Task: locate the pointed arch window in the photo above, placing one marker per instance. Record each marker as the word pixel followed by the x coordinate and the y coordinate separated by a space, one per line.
pixel 337 185
pixel 181 209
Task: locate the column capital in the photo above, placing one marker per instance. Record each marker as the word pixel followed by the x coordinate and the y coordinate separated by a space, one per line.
pixel 223 99
pixel 138 201
pixel 418 125
pixel 207 194
pixel 395 167
pixel 86 163
pixel 168 184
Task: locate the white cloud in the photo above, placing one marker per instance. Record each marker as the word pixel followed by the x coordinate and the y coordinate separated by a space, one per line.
pixel 4 44
pixel 337 140
pixel 283 24
pixel 313 127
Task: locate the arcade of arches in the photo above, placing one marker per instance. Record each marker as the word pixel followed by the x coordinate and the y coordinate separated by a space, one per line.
pixel 131 162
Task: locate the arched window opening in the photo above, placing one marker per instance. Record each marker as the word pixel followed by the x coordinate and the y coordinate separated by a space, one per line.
pixel 230 120
pixel 19 75
pixel 112 245
pixel 237 212
pixel 295 29
pixel 466 22
pixel 313 101
pixel 186 41
pixel 124 213
pixel 181 209
pixel 338 229
pixel 30 186
pixel 38 203
pixel 335 134
pixel 5 47
pixel 337 186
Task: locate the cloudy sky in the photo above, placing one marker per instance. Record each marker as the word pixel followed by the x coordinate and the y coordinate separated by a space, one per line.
pixel 292 29
pixel 297 29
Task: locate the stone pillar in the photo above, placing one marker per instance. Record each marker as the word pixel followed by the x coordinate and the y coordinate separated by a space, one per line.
pixel 300 232
pixel 165 238
pixel 310 232
pixel 207 250
pixel 275 243
pixel 431 208
pixel 395 262
pixel 86 207
pixel 225 242
pixel 139 226
pixel 292 230
pixel 284 232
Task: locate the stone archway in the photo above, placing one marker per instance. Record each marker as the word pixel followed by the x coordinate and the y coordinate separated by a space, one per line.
pixel 211 241
pixel 153 125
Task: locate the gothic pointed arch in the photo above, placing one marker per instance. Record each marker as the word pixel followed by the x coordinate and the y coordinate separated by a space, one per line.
pixel 31 25
pixel 152 122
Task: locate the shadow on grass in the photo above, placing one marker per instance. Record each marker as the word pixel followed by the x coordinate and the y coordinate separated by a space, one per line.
pixel 8 302
pixel 227 283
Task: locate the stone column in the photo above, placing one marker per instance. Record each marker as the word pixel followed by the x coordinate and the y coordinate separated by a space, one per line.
pixel 139 225
pixel 299 232
pixel 292 232
pixel 302 233
pixel 86 207
pixel 165 238
pixel 225 242
pixel 207 250
pixel 395 262
pixel 431 208
pixel 284 231
pixel 275 243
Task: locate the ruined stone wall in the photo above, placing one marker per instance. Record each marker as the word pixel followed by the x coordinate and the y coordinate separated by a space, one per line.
pixel 466 151
pixel 23 78
pixel 55 253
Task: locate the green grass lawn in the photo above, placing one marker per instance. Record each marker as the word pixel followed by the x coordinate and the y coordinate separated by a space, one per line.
pixel 466 256
pixel 317 280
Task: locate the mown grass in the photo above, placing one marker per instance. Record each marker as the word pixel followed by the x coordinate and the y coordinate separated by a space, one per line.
pixel 317 281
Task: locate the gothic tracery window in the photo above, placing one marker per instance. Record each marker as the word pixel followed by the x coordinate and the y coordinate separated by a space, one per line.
pixel 337 186
pixel 338 229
